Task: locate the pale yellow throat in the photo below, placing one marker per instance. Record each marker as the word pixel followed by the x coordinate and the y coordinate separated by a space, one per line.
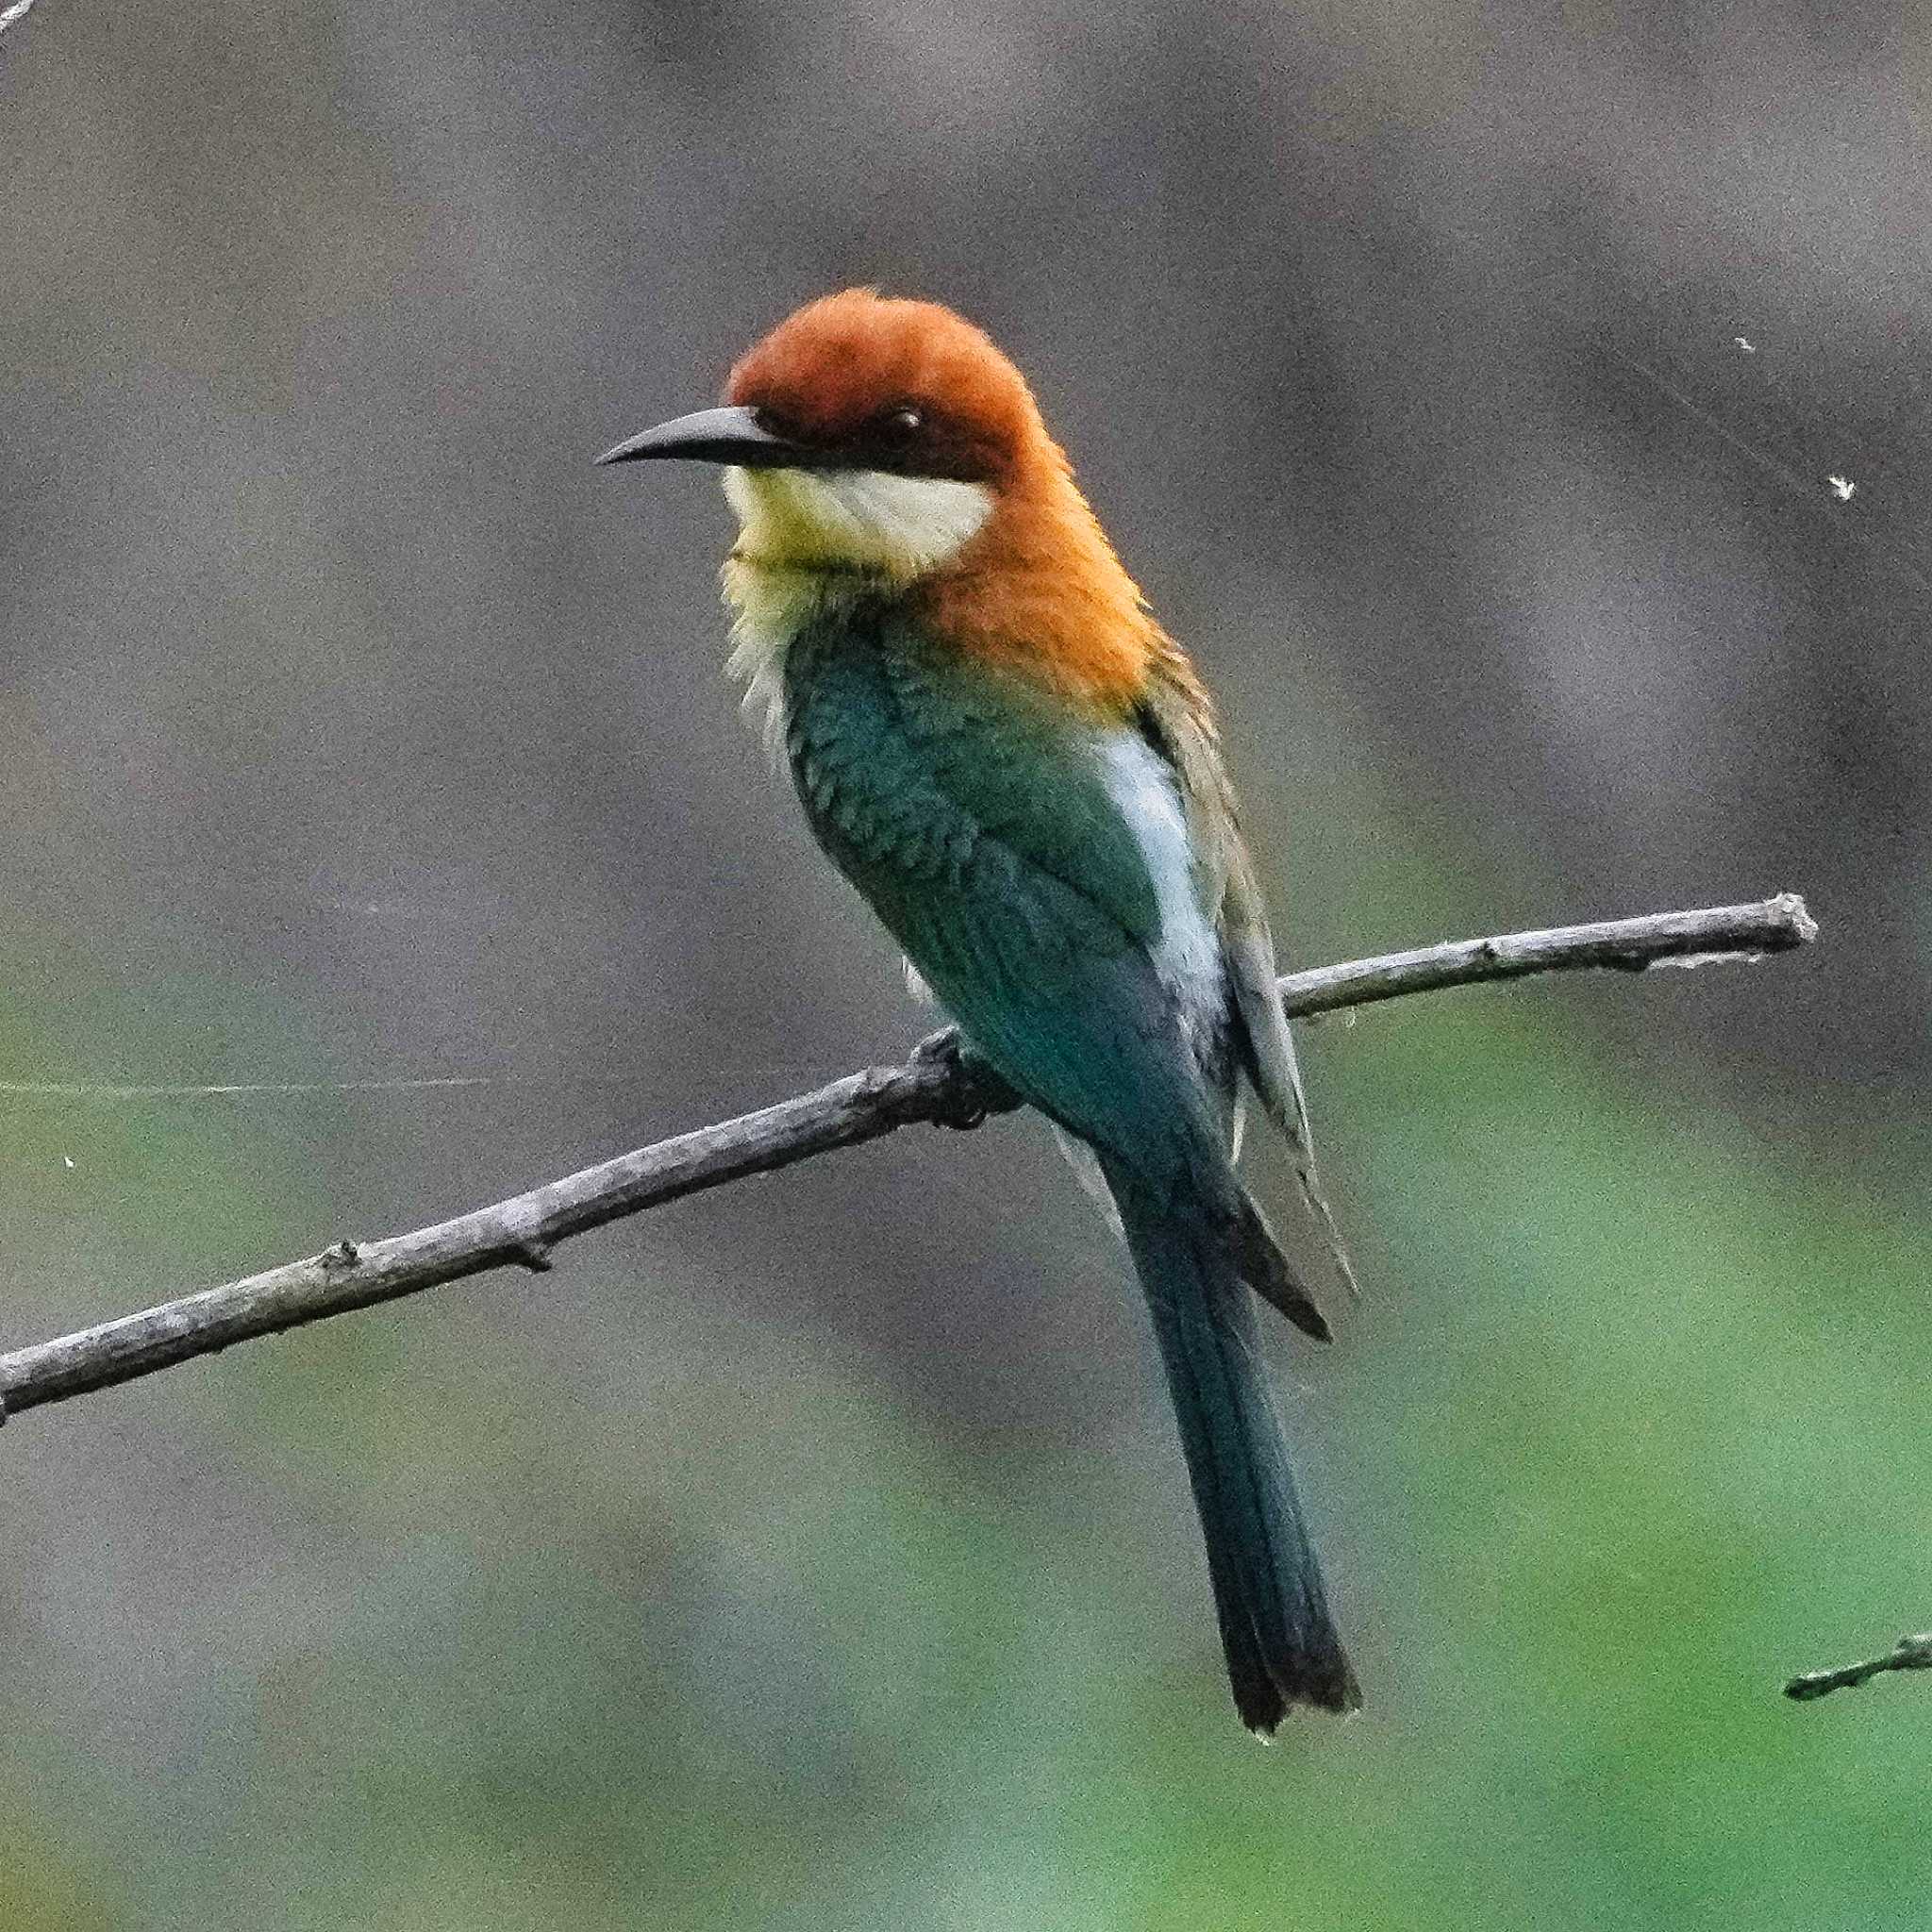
pixel 808 537
pixel 868 519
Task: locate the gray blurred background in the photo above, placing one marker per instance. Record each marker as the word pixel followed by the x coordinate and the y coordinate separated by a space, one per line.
pixel 1463 383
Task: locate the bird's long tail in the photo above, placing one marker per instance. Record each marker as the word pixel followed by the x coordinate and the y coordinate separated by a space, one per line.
pixel 1281 1641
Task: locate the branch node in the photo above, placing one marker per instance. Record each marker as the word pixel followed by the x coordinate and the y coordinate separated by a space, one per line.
pixel 346 1253
pixel 1792 906
pixel 534 1255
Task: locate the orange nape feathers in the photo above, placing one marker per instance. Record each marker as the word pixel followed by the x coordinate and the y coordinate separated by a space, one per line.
pixel 1038 590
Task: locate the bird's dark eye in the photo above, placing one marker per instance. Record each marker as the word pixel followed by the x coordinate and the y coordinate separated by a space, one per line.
pixel 906 420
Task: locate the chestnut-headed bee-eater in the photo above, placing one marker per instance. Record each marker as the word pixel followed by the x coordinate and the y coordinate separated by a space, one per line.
pixel 1019 770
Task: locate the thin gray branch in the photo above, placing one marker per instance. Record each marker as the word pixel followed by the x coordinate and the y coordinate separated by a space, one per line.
pixel 1911 1654
pixel 939 1085
pixel 1625 945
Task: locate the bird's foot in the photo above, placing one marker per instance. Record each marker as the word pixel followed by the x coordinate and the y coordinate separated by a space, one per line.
pixel 974 1092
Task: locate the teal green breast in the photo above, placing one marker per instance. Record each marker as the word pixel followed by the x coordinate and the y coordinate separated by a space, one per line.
pixel 972 811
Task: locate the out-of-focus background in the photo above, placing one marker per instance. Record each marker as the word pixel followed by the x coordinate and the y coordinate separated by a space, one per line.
pixel 1464 383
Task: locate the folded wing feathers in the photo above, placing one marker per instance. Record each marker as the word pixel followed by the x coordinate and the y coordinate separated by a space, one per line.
pixel 1182 719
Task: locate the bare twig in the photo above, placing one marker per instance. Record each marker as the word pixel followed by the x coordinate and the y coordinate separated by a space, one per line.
pixel 1911 1653
pixel 1627 945
pixel 938 1084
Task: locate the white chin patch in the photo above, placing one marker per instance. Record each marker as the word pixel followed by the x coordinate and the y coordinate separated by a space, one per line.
pixel 901 526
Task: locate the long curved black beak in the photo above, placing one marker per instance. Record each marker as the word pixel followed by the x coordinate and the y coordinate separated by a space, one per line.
pixel 717 435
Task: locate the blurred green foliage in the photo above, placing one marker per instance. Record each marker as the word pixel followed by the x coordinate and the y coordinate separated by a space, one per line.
pixel 717 1633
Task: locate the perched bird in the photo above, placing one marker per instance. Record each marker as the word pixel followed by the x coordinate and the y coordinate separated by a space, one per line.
pixel 997 744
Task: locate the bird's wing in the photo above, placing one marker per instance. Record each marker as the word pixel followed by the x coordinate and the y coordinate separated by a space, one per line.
pixel 991 840
pixel 1179 723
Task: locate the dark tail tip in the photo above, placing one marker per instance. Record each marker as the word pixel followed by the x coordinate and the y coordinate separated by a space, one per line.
pixel 1323 1681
